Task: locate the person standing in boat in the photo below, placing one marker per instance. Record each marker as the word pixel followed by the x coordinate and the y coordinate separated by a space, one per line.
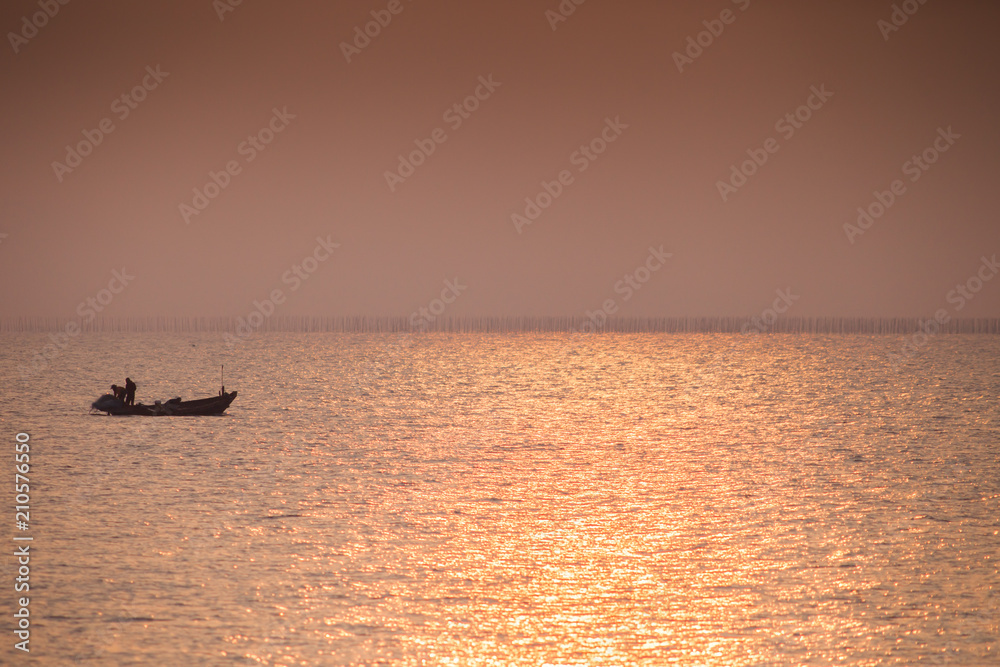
pixel 129 391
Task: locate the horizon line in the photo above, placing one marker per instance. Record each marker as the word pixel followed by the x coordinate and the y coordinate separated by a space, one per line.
pixel 245 326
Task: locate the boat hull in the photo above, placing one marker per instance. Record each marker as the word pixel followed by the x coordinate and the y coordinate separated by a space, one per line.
pixel 202 407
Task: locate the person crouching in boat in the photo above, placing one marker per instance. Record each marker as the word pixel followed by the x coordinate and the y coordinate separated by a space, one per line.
pixel 118 392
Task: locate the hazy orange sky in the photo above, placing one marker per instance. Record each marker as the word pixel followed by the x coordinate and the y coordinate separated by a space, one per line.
pixel 309 117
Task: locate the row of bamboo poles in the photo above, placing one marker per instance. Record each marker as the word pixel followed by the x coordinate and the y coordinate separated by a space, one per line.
pixel 499 324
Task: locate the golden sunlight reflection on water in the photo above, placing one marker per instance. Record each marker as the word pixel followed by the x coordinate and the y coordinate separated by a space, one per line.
pixel 523 500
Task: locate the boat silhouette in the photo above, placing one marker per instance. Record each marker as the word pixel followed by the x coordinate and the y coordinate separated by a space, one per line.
pixel 175 407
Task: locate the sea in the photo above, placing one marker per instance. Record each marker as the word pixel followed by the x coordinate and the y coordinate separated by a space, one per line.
pixel 503 499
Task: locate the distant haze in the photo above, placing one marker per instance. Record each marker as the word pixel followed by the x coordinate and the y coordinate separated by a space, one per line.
pixel 538 158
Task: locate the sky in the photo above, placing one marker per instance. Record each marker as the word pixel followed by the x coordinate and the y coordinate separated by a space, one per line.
pixel 191 157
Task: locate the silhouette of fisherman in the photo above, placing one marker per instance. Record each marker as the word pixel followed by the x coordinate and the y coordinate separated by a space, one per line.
pixel 129 392
pixel 119 392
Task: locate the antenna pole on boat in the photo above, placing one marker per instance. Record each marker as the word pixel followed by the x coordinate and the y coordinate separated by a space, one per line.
pixel 223 378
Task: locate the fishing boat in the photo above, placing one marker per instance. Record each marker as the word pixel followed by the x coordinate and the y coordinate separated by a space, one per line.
pixel 175 407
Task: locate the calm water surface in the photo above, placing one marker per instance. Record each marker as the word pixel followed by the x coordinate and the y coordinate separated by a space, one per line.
pixel 512 500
